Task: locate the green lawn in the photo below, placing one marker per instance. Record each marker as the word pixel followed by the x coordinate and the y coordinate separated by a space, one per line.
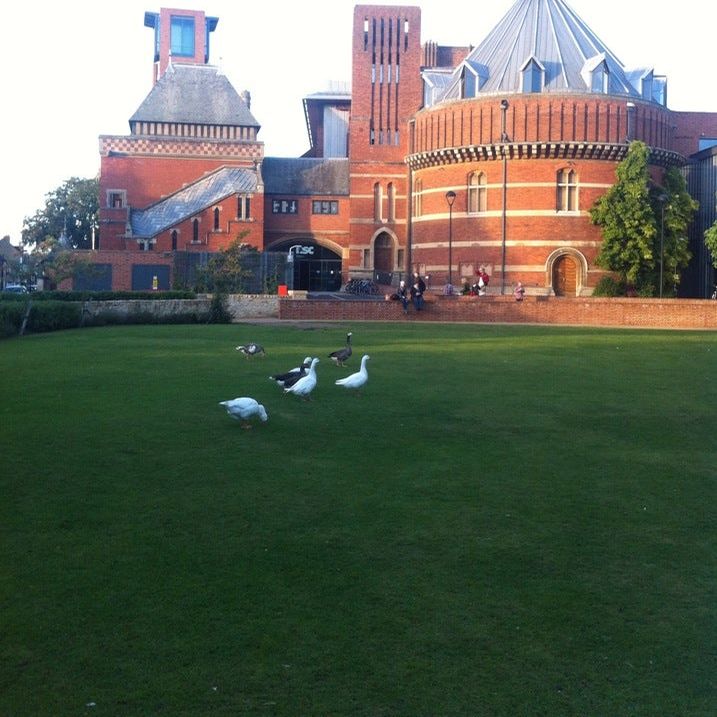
pixel 509 521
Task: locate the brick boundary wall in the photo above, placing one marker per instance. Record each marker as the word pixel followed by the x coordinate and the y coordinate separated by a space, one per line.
pixel 588 311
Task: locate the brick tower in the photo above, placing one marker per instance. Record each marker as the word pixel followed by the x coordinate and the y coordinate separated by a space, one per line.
pixel 386 93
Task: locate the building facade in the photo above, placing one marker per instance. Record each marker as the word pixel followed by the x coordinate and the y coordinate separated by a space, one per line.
pixel 436 159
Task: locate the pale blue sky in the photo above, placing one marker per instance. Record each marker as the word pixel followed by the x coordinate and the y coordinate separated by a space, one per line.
pixel 76 70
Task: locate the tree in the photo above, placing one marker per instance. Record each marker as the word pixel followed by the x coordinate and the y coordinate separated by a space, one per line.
pixel 627 218
pixel 52 261
pixel 711 243
pixel 72 208
pixel 227 271
pixel 644 225
pixel 679 209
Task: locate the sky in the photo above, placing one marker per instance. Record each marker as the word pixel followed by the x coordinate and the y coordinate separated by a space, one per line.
pixel 76 70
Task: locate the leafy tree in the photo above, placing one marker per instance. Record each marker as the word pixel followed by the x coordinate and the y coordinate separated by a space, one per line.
pixel 55 262
pixel 644 224
pixel 711 242
pixel 679 209
pixel 627 218
pixel 72 208
pixel 227 271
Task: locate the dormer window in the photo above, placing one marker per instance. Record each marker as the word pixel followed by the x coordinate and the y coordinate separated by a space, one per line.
pixel 533 76
pixel 473 76
pixel 646 89
pixel 468 83
pixel 599 79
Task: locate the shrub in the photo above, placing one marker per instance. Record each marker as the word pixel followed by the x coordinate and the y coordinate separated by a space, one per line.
pixel 218 309
pixel 11 313
pixel 610 286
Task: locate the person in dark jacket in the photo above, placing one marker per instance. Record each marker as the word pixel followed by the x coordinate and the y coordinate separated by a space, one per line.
pixel 418 291
pixel 417 296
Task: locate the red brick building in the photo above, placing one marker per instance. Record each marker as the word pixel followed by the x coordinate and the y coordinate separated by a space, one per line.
pixel 437 159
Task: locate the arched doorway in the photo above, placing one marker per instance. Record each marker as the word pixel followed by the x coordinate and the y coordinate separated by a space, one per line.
pixel 565 276
pixel 383 253
pixel 312 267
pixel 383 257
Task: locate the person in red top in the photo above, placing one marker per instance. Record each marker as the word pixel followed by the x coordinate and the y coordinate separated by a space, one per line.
pixel 483 279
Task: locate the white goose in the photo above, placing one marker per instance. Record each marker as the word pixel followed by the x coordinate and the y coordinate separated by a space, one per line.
pixel 290 377
pixel 243 409
pixel 356 380
pixel 306 384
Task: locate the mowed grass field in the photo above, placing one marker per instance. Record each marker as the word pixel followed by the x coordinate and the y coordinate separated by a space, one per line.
pixel 509 521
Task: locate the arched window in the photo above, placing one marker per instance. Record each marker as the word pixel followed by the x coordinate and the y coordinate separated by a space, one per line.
pixel 567 194
pixel 195 230
pixel 477 193
pixel 417 197
pixel 391 202
pixel 377 202
pixel 216 219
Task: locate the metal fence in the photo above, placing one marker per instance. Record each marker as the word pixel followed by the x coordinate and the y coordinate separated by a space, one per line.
pixel 261 273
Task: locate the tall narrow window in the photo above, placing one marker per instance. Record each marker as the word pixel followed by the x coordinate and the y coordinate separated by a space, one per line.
pixel 417 198
pixel 174 240
pixel 477 193
pixel 195 230
pixel 377 202
pixel 216 219
pixel 244 207
pixel 182 36
pixel 391 202
pixel 567 195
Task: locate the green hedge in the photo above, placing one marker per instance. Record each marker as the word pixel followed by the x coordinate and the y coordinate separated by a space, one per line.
pixel 47 315
pixel 44 316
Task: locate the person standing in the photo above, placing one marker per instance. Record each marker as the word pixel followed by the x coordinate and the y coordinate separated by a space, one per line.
pixel 417 295
pixel 483 279
pixel 402 294
pixel 418 291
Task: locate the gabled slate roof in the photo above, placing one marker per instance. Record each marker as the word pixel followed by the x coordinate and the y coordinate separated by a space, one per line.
pixel 551 34
pixel 305 176
pixel 190 200
pixel 194 94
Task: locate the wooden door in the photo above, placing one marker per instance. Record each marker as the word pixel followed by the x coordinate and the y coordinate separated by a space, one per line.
pixel 565 277
pixel 383 253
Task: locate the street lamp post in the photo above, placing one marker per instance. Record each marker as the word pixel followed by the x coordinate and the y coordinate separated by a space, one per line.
pixel 662 199
pixel 504 104
pixel 450 198
pixel 290 265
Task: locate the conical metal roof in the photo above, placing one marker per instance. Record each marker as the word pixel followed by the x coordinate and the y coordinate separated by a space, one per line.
pixel 543 46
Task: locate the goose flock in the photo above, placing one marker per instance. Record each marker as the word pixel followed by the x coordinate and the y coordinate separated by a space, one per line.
pixel 299 381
